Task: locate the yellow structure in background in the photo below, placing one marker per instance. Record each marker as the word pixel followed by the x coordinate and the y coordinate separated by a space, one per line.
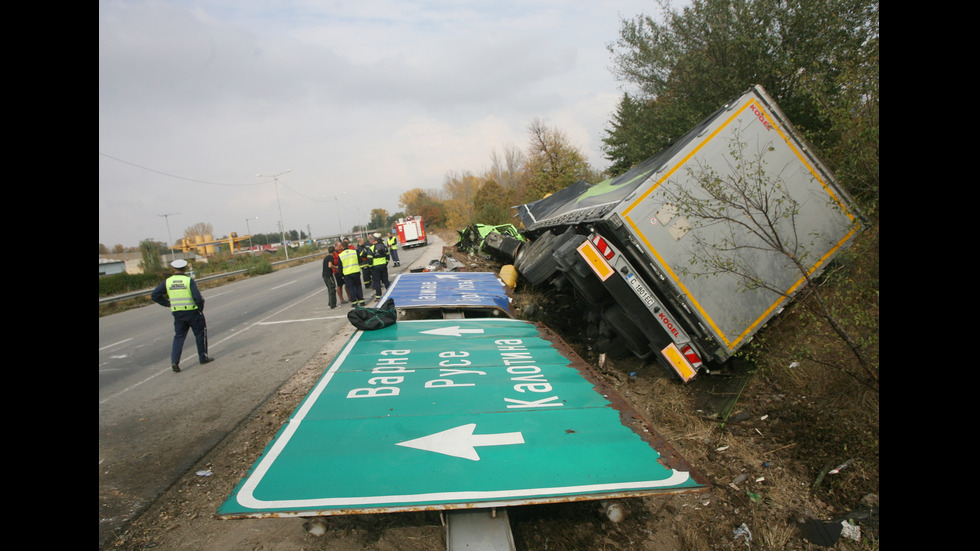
pixel 207 245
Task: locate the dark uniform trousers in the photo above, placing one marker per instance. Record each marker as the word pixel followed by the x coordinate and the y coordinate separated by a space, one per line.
pixel 193 320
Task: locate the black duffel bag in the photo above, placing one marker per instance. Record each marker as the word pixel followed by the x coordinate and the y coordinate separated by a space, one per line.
pixel 369 319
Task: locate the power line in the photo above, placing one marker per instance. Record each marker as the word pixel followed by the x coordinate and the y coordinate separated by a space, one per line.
pixel 204 181
pixel 174 175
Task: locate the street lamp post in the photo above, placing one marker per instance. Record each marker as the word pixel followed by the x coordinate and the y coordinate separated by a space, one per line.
pixel 171 239
pixel 249 230
pixel 340 228
pixel 282 227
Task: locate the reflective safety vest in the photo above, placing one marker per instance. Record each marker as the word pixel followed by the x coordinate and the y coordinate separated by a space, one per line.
pixel 348 260
pixel 379 260
pixel 179 291
pixel 392 242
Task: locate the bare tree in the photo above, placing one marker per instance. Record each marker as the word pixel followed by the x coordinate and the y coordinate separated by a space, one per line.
pixel 746 220
pixel 201 228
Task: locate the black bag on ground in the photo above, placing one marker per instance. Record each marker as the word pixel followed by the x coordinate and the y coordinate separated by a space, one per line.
pixel 369 319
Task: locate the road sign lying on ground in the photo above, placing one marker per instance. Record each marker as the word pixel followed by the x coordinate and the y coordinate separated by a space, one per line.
pixel 449 290
pixel 454 414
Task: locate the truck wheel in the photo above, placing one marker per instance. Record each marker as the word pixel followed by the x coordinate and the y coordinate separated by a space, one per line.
pixel 627 333
pixel 529 262
pixel 537 264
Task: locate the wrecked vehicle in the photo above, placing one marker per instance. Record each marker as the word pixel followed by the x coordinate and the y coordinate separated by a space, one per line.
pixel 490 240
pixel 686 256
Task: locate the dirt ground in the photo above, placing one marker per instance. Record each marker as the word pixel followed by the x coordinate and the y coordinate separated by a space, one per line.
pixel 767 464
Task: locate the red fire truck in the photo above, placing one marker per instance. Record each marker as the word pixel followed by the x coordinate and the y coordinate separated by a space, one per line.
pixel 411 232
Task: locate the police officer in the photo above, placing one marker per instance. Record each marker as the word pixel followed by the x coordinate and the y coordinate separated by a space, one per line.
pixel 180 293
pixel 351 266
pixel 378 255
pixel 393 249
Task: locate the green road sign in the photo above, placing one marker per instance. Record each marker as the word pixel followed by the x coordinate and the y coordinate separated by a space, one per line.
pixel 444 414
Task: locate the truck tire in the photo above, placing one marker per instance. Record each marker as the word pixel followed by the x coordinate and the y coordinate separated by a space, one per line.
pixel 629 337
pixel 537 264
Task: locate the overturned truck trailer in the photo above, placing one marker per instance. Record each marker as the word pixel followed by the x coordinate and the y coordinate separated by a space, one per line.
pixel 687 255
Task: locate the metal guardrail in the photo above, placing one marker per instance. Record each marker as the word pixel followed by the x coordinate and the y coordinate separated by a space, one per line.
pixel 147 292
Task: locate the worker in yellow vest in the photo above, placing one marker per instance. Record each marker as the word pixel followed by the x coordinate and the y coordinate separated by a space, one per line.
pixel 350 264
pixel 180 293
pixel 393 249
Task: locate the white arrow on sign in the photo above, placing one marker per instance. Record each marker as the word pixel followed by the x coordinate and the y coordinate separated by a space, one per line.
pixel 461 442
pixel 454 331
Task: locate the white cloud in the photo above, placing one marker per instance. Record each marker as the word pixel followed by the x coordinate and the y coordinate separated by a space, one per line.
pixel 365 99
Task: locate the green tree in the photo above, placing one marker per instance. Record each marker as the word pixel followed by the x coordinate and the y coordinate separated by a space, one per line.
pixel 150 252
pixel 695 60
pixel 851 144
pixel 390 222
pixel 490 206
pixel 379 218
pixel 553 163
pixel 631 139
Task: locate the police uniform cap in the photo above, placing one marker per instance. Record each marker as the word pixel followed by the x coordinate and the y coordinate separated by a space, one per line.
pixel 179 263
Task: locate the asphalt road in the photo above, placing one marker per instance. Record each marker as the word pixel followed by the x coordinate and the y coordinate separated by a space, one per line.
pixel 155 424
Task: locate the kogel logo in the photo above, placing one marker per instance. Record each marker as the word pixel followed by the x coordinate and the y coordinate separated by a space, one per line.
pixel 668 324
pixel 762 116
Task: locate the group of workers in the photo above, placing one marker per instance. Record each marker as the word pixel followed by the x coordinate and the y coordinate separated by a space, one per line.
pixel 349 265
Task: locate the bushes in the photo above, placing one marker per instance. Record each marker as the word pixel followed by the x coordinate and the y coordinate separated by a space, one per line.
pixel 260 265
pixel 118 284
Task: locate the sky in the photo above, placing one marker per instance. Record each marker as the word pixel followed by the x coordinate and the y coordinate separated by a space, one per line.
pixel 205 105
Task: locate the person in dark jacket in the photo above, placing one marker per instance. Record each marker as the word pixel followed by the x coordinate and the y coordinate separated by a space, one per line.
pixel 377 255
pixel 180 293
pixel 329 279
pixel 365 264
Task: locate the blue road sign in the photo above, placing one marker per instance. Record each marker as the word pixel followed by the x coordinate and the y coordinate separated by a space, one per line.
pixel 448 290
pixel 448 414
